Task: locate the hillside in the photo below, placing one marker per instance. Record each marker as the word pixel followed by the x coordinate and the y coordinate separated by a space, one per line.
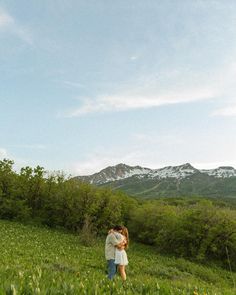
pixel 37 260
pixel 171 181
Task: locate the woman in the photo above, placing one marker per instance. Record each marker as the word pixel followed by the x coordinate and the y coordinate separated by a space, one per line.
pixel 120 255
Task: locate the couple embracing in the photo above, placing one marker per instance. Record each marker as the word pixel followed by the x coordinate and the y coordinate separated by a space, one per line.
pixel 117 242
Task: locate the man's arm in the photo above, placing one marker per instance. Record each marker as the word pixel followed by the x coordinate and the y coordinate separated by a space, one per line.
pixel 114 241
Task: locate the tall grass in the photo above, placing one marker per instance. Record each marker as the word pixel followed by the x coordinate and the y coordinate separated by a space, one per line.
pixel 36 260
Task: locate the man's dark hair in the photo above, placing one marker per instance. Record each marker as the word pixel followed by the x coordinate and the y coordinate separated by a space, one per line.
pixel 117 227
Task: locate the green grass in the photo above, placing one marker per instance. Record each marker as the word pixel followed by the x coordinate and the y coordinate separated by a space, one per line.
pixel 36 260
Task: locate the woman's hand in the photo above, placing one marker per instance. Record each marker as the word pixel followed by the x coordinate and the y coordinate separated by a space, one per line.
pixel 120 247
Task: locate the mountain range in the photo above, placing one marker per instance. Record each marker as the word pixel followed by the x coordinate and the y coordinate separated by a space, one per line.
pixel 172 181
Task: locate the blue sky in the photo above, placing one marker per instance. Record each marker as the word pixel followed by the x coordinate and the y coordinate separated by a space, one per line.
pixel 87 84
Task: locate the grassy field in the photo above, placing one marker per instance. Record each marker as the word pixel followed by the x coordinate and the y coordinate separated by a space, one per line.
pixel 36 260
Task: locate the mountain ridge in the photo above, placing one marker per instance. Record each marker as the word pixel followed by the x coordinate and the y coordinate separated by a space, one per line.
pixel 169 181
pixel 123 171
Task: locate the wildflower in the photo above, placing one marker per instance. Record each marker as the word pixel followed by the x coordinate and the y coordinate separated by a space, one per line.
pixel 13 290
pixel 81 285
pixel 39 271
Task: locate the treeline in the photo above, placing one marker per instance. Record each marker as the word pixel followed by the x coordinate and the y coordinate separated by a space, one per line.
pixel 195 229
pixel 56 201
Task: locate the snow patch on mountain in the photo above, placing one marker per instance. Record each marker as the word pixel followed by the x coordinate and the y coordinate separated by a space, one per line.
pixel 117 175
pixel 220 172
pixel 113 173
pixel 181 171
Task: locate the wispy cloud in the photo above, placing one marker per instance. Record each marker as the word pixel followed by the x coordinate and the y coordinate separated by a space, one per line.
pixel 100 158
pixel 213 165
pixel 18 161
pixel 170 87
pixel 141 150
pixel 5 19
pixel 228 111
pixel 153 139
pixel 3 153
pixel 128 101
pixel 134 57
pixel 227 106
pixel 158 149
pixel 9 24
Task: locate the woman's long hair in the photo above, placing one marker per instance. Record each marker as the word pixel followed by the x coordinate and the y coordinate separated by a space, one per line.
pixel 125 233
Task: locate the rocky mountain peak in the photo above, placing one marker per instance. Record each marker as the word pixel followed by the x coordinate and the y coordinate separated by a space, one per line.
pixel 123 171
pixel 186 166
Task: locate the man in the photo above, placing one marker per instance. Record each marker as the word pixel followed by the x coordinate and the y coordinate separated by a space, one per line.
pixel 110 247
